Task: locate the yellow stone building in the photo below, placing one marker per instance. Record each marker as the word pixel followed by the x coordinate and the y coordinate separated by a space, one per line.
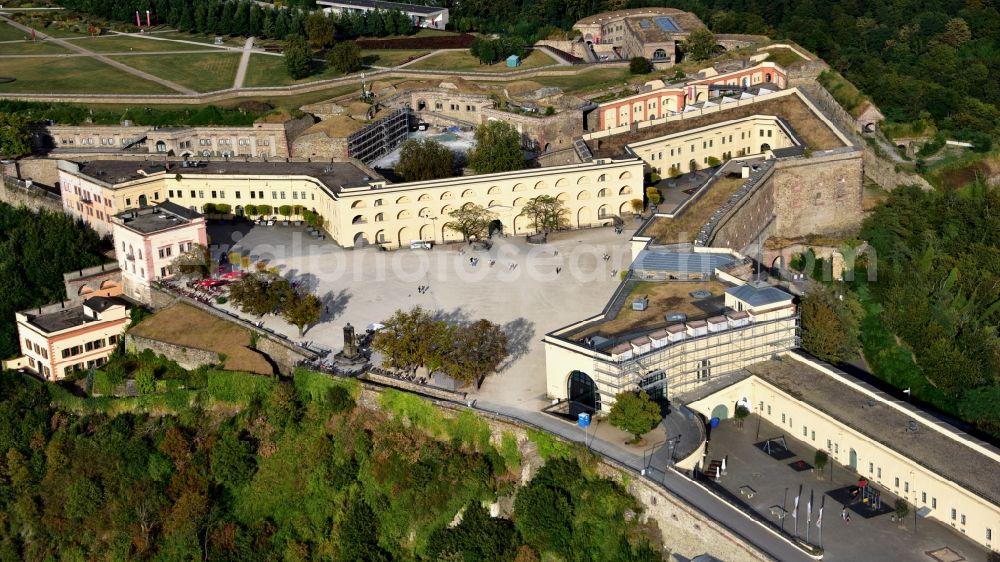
pixel 358 206
pixel 946 474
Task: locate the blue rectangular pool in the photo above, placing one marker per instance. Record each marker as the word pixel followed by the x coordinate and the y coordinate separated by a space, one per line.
pixel 667 24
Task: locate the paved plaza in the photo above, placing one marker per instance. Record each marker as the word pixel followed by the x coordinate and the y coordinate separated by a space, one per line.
pixel 877 538
pixel 521 290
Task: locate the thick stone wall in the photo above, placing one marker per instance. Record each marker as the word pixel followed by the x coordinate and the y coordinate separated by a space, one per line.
pixel 545 134
pixel 282 353
pixel 888 175
pixel 562 157
pixel 11 194
pixel 818 195
pixel 38 170
pixel 101 280
pixel 746 221
pixel 186 357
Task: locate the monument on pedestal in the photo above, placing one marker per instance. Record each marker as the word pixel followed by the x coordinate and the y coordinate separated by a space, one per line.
pixel 350 356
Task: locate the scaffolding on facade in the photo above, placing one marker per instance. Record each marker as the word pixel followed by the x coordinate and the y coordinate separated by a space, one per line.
pixel 695 361
pixel 379 137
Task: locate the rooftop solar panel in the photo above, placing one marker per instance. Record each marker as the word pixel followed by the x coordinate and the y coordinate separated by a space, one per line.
pixel 667 24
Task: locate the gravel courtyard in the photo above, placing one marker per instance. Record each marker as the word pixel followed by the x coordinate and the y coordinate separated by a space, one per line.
pixel 521 291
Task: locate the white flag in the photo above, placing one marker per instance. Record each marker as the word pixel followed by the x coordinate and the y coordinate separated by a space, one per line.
pixel 809 509
pixel 795 513
pixel 819 518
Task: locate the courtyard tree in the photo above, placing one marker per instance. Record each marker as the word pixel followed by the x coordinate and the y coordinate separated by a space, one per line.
pixel 636 205
pixel 249 294
pixel 195 262
pixel 699 45
pixel 426 159
pixel 302 310
pixel 264 210
pixel 471 221
pixel 15 136
pixel 546 214
pixel 741 414
pixel 320 30
pixel 298 57
pixel 477 351
pixel 346 57
pixel 498 148
pixel 285 211
pixel 412 339
pixel 819 461
pixel 250 210
pixel 653 195
pixel 635 413
pixel 639 65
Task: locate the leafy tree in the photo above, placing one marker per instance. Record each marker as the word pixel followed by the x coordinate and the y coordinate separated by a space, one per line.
pixel 298 57
pixel 477 537
pixel 320 30
pixel 195 262
pixel 498 148
pixel 636 205
pixel 346 57
pixel 543 515
pixel 411 339
pixel 653 195
pixel 546 213
pixel 639 65
pixel 699 45
pixel 635 413
pixel 264 210
pixel 250 210
pixel 471 221
pixel 426 159
pixel 820 459
pixel 478 350
pixel 829 326
pixel 83 498
pixel 145 381
pixel 285 211
pixel 15 135
pixel 303 310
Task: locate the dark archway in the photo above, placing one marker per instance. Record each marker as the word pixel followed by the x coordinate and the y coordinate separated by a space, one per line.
pixel 239 210
pixel 496 227
pixel 719 49
pixel 421 105
pixel 852 460
pixel 583 391
pixel 161 146
pixel 142 201
pixel 765 147
pixel 767 77
pixel 870 127
pixel 359 240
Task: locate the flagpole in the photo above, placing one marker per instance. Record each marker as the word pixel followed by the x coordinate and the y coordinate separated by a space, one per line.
pixel 809 512
pixel 819 522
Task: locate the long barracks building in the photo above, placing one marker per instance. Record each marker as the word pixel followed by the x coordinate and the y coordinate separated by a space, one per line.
pixel 358 206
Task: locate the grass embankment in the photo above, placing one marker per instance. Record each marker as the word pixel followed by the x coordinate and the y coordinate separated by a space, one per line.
pixel 462 61
pixel 846 94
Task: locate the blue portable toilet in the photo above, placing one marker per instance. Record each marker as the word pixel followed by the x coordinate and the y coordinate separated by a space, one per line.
pixel 513 61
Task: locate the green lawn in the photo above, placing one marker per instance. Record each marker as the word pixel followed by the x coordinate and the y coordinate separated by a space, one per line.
pixel 389 57
pixel 463 61
pixel 31 48
pixel 268 70
pixel 72 75
pixel 200 72
pixel 125 44
pixel 598 77
pixel 199 38
pixel 10 33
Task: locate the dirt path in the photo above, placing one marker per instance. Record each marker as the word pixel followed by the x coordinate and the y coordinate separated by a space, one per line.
pixel 241 72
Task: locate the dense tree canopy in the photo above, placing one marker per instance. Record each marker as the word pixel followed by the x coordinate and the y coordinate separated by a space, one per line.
pixel 15 135
pixel 298 57
pixel 35 251
pixel 498 148
pixel 425 159
pixel 346 57
pixel 635 413
pixel 288 471
pixel 471 221
pixel 938 289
